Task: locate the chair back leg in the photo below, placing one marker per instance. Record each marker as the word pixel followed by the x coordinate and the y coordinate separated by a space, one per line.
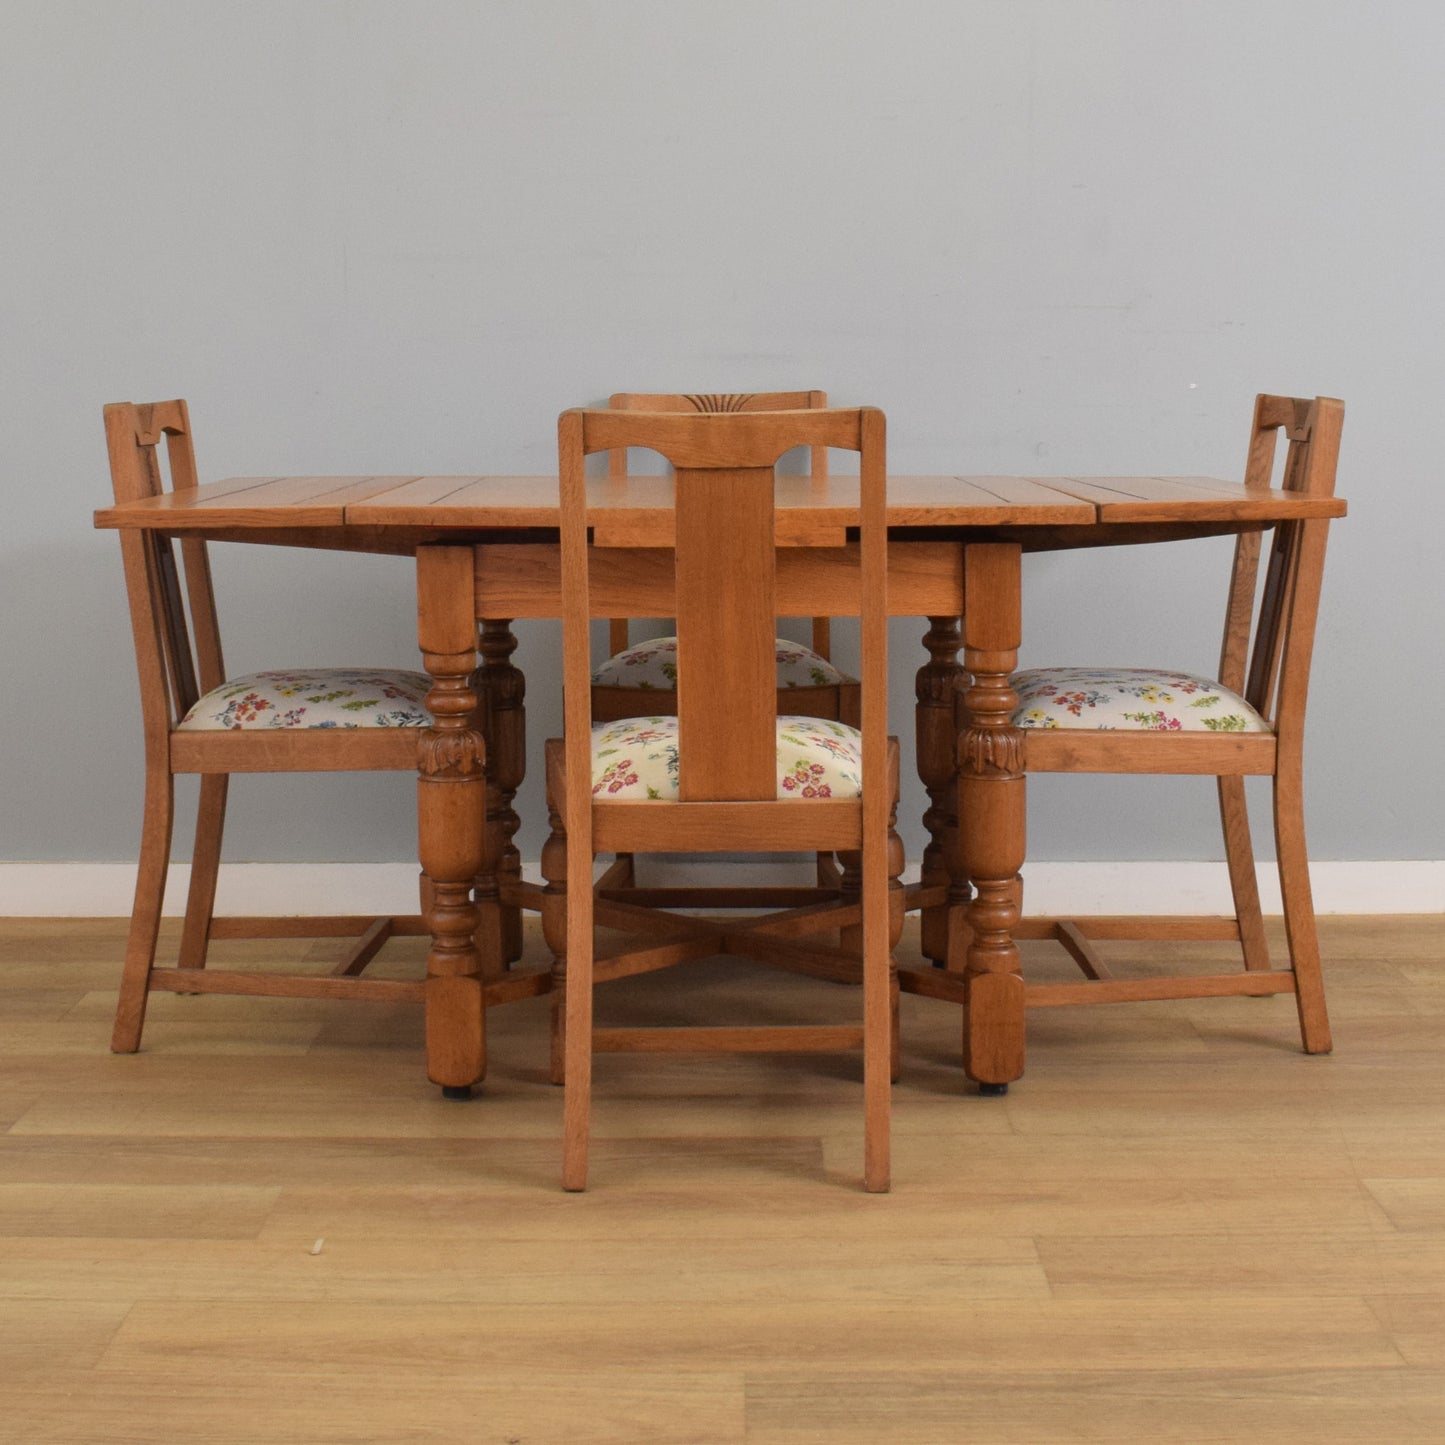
pixel 1239 853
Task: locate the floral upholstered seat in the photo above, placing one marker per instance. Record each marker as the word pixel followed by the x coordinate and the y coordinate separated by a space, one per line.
pixel 653 665
pixel 314 697
pixel 1138 698
pixel 635 760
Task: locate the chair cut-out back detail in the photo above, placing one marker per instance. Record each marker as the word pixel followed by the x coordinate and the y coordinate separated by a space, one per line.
pixel 198 721
pixel 723 791
pixel 1250 721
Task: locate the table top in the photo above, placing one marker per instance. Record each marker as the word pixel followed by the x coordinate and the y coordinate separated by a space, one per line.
pixel 636 511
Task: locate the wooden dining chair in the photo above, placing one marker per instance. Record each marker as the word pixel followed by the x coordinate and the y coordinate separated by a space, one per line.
pixel 1248 721
pixel 199 720
pixel 643 678
pixel 727 772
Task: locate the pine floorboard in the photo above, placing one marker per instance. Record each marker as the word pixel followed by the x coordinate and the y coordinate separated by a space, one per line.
pixel 267 1227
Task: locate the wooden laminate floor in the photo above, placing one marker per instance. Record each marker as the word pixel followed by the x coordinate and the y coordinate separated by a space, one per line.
pixel 267 1227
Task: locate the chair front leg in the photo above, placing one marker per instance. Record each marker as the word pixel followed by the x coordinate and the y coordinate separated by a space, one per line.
pixel 205 868
pixel 1239 852
pixel 145 917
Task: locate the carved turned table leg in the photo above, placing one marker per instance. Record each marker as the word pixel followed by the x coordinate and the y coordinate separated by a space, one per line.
pixel 554 925
pixel 991 815
pixel 939 684
pixel 504 723
pixel 451 815
pixel 850 891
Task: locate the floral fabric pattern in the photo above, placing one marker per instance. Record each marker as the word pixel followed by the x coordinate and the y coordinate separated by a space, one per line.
pixel 1129 698
pixel 314 697
pixel 636 760
pixel 653 665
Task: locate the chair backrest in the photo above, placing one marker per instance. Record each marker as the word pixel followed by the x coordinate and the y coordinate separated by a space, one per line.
pixel 714 402
pixel 1269 663
pixel 178 656
pixel 724 467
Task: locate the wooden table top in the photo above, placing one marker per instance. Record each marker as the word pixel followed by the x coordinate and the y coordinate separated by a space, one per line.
pixel 634 510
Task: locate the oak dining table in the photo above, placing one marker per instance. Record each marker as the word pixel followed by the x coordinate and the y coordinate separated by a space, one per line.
pixel 486 553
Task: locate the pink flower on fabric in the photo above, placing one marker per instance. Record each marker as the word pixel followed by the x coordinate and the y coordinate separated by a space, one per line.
pixel 619 775
pixel 250 706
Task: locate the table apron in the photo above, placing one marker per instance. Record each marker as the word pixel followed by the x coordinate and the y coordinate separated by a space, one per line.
pixel 524 580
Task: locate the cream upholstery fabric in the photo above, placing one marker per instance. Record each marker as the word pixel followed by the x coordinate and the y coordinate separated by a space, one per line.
pixel 636 759
pixel 1129 698
pixel 653 665
pixel 314 697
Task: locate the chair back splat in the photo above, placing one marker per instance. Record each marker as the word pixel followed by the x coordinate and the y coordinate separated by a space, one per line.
pixel 725 614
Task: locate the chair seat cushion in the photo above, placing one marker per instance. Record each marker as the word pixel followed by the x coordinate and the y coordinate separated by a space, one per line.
pixel 314 697
pixel 653 665
pixel 635 760
pixel 1139 698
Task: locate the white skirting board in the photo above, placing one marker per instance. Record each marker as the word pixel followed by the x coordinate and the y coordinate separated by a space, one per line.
pixel 101 890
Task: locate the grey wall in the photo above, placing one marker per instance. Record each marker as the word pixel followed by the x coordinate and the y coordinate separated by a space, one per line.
pixel 1044 235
